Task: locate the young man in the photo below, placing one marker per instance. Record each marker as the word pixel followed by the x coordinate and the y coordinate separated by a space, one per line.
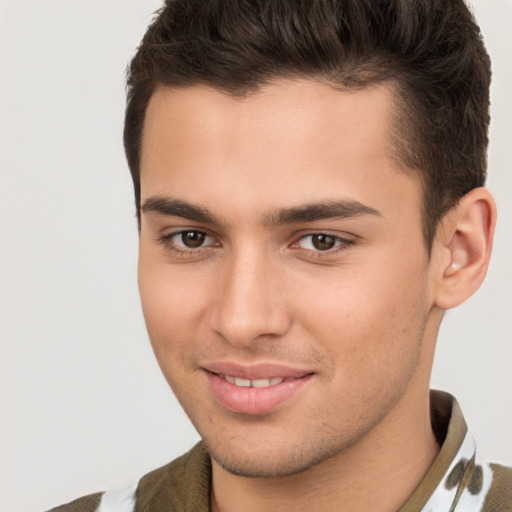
pixel 309 183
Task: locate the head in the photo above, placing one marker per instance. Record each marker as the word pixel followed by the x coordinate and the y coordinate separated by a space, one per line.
pixel 432 52
pixel 307 182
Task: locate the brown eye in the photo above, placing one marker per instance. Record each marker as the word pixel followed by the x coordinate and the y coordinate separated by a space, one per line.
pixel 188 242
pixel 192 239
pixel 323 242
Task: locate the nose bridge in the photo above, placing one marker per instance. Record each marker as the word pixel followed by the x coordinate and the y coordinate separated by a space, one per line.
pixel 249 304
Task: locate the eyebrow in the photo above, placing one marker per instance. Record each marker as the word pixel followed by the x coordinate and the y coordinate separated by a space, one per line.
pixel 340 209
pixel 178 208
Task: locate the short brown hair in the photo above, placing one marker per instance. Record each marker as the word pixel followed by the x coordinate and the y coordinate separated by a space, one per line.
pixel 431 49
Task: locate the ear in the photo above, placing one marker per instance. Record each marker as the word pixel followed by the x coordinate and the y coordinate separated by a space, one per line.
pixel 463 245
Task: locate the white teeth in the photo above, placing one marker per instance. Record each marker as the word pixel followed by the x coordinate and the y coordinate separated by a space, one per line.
pixel 260 383
pixel 255 383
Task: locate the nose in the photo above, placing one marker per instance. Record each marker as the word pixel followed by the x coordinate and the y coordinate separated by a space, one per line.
pixel 250 304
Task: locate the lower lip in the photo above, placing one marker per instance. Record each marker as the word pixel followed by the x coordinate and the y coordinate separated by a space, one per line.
pixel 249 400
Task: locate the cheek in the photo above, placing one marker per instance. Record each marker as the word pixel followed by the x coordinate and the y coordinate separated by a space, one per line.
pixel 370 321
pixel 171 305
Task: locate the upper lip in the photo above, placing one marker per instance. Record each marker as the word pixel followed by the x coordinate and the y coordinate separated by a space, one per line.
pixel 256 370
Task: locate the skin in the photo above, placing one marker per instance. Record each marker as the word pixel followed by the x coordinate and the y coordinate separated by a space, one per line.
pixel 362 317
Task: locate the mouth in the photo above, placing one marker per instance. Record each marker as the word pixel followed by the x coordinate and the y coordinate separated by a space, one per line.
pixel 254 383
pixel 255 390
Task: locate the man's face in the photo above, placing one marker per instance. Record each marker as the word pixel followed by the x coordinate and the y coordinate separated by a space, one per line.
pixel 284 279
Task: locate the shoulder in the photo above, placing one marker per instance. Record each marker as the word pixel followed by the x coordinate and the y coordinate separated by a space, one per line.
pixel 181 484
pixel 115 500
pixel 88 503
pixel 499 497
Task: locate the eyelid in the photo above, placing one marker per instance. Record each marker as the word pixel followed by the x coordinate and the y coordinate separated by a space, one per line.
pixel 177 234
pixel 166 240
pixel 343 243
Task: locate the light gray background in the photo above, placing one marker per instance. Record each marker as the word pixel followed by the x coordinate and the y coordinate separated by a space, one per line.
pixel 83 404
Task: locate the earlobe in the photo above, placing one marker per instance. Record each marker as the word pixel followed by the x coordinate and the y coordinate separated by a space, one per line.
pixel 465 241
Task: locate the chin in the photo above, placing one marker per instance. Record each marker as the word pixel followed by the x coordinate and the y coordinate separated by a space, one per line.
pixel 271 460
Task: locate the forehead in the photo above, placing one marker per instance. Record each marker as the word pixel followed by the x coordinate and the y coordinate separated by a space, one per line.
pixel 291 142
pixel 296 110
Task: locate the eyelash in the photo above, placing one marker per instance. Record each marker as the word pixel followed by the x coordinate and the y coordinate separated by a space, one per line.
pixel 342 244
pixel 167 242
